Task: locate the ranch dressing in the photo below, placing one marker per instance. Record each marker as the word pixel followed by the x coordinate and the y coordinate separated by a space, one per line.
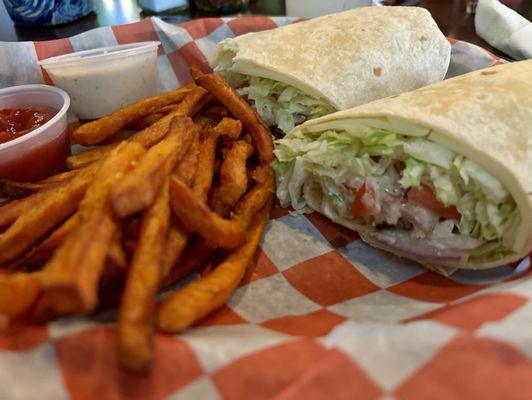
pixel 103 80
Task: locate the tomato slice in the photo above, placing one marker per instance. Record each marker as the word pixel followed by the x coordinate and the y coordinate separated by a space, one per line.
pixel 424 196
pixel 365 203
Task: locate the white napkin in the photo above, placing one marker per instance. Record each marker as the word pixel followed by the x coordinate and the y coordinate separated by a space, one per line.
pixel 504 29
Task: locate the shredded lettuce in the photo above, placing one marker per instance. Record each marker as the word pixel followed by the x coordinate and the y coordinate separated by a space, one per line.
pixel 491 187
pixel 446 190
pixel 430 152
pixel 381 137
pixel 336 163
pixel 278 104
pixel 336 156
pixel 412 173
pixel 279 167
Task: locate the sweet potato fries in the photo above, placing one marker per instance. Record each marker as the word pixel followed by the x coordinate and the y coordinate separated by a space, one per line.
pixel 177 182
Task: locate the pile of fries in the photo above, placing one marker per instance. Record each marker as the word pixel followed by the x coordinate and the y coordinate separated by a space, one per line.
pixel 179 182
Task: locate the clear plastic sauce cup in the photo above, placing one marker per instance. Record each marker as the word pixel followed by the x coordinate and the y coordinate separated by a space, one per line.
pixel 44 149
pixel 103 80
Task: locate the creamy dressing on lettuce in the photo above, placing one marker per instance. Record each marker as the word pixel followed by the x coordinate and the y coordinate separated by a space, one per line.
pixel 278 104
pixel 324 170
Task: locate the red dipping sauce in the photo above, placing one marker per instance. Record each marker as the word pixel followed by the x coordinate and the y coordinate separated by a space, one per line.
pixel 34 138
pixel 17 122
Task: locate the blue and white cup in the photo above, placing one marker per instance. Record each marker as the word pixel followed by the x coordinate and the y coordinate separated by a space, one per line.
pixel 47 12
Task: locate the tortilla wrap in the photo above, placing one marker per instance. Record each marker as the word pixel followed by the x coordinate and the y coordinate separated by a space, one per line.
pixel 485 116
pixel 349 58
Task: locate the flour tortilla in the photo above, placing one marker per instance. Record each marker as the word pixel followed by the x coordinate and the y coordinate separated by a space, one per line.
pixel 349 58
pixel 485 115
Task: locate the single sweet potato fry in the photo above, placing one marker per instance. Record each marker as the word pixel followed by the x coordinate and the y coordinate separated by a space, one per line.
pixel 136 314
pixel 71 277
pixel 170 107
pixel 198 217
pixel 186 168
pixel 140 186
pixel 206 165
pixel 178 236
pixel 239 108
pixel 175 244
pixel 87 157
pixel 60 177
pixel 97 131
pixel 152 118
pixel 233 178
pixel 197 299
pixel 12 189
pixel 229 129
pixel 18 293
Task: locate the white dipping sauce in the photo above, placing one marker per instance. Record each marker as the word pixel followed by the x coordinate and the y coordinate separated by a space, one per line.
pixel 102 83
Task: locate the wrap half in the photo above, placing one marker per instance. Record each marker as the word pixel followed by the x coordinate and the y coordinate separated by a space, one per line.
pixel 440 175
pixel 312 68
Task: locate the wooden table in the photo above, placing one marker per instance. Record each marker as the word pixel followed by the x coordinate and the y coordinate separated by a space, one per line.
pixel 449 14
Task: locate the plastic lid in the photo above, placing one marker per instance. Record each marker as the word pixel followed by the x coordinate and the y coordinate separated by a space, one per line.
pixel 96 55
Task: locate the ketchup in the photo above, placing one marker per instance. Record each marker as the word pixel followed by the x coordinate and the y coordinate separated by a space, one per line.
pixel 37 157
pixel 17 122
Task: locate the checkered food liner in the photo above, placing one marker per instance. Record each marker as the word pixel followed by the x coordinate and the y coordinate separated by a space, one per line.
pixel 321 315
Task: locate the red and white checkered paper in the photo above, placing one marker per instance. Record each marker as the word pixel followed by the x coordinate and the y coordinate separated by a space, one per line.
pixel 321 315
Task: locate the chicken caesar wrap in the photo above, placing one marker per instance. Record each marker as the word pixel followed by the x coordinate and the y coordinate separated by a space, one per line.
pixel 440 175
pixel 313 68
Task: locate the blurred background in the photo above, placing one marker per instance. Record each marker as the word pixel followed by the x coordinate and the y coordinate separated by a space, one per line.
pixel 76 16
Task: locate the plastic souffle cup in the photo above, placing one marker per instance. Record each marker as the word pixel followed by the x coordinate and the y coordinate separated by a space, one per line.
pixel 44 149
pixel 102 80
